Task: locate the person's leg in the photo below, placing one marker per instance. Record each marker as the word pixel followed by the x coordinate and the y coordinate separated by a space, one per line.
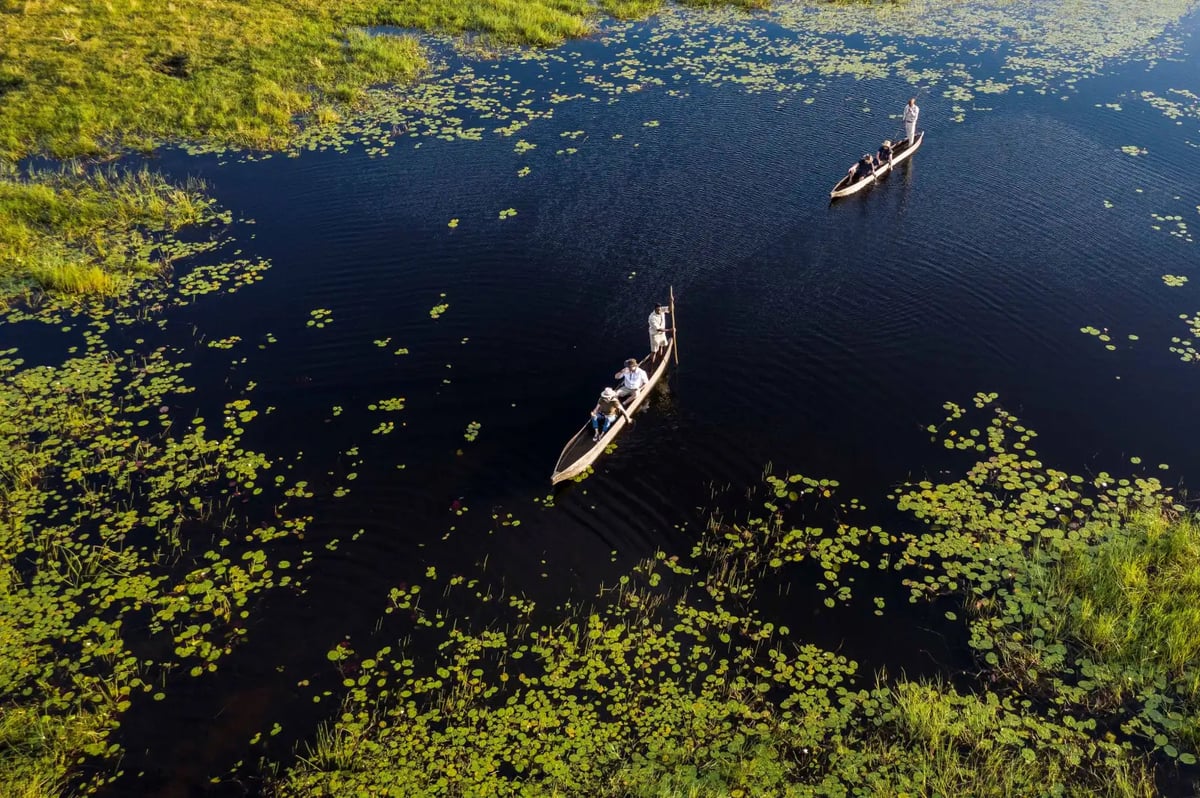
pixel 622 392
pixel 595 426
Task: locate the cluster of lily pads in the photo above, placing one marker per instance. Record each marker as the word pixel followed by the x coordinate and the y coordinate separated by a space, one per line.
pixel 1070 583
pixel 656 687
pixel 793 49
pixel 129 555
pixel 125 554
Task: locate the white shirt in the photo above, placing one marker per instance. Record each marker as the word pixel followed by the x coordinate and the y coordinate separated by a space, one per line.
pixel 634 378
pixel 911 112
pixel 658 322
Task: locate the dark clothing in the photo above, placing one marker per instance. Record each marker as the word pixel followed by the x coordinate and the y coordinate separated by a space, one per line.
pixel 864 169
pixel 884 155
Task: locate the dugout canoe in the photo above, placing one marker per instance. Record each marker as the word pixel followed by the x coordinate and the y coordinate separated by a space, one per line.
pixel 900 153
pixel 581 451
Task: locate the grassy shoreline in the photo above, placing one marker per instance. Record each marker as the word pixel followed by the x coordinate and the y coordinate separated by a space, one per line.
pixel 99 76
pixel 94 78
pixel 95 233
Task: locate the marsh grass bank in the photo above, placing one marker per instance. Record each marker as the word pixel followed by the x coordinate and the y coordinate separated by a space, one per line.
pixel 94 77
pixel 92 232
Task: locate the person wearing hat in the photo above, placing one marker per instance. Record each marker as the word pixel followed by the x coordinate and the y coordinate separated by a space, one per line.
pixel 607 408
pixel 884 156
pixel 658 329
pixel 864 168
pixel 633 378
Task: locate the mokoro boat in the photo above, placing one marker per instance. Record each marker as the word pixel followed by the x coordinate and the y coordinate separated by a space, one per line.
pixel 581 451
pixel 900 152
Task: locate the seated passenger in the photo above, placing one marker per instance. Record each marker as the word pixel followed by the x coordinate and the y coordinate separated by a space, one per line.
pixel 884 155
pixel 606 408
pixel 633 378
pixel 864 168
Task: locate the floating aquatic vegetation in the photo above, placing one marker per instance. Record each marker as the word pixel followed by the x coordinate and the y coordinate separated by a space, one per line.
pixel 999 535
pixel 225 343
pixel 392 405
pixel 650 687
pixel 320 318
pixel 1186 347
pixel 225 277
pixel 107 590
pixel 740 553
pixel 472 431
pixel 1130 149
pixel 436 311
pixel 1178 227
pixel 508 213
pixel 453 223
pixel 1184 105
pixel 1103 335
pixel 1174 280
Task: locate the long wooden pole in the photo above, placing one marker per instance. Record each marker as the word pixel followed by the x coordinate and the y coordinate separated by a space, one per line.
pixel 674 327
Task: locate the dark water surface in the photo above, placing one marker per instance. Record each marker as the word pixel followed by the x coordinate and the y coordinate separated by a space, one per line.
pixel 817 338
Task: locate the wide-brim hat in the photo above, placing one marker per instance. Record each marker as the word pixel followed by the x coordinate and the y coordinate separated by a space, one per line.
pixel 608 393
pixel 631 362
pixel 887 142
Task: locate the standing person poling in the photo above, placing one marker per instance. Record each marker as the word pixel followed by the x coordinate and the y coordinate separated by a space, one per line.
pixel 658 330
pixel 911 112
pixel 633 379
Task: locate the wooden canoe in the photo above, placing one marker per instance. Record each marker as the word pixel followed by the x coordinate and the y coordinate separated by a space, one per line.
pixel 900 152
pixel 581 451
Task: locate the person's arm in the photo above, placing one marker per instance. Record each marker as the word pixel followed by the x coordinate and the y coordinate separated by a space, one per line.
pixel 620 374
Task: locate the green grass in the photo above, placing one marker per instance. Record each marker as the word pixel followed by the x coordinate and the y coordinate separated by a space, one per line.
pixel 89 233
pixel 1134 599
pixel 35 749
pixel 1130 605
pixel 88 77
pixel 95 76
pixel 932 740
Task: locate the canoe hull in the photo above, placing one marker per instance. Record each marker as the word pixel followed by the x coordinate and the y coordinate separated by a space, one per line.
pixel 845 188
pixel 581 451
